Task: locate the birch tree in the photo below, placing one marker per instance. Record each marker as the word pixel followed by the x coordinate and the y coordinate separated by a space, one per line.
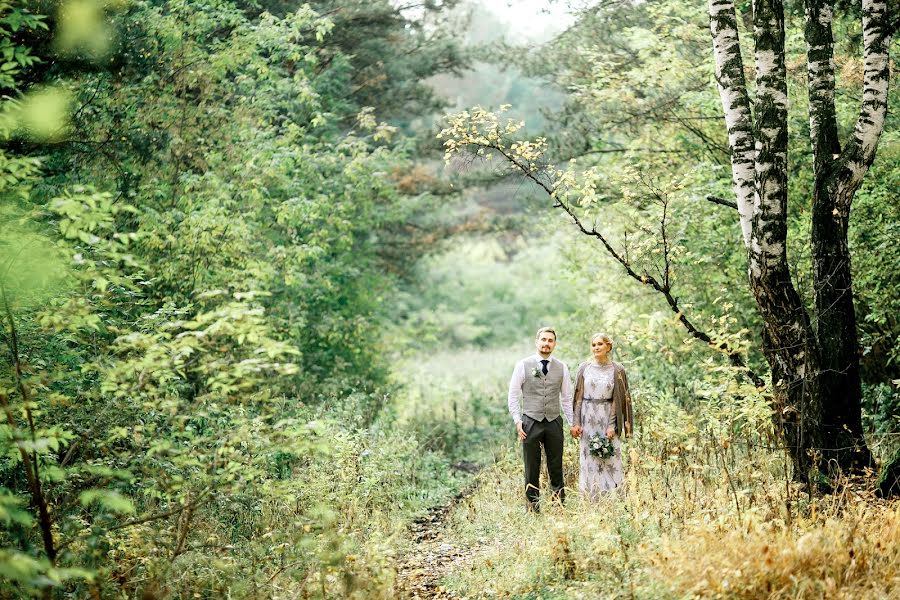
pixel 813 354
pixel 814 358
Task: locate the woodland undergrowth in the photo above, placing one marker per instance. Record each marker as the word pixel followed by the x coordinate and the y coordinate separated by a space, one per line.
pixel 705 512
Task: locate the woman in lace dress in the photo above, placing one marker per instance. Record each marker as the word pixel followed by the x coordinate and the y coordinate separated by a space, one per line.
pixel 602 404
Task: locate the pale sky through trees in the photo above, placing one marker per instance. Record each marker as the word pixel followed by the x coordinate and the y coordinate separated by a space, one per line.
pixel 530 18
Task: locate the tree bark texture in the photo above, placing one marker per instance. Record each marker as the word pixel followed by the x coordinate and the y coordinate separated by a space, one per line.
pixel 736 104
pixel 759 179
pixel 814 363
pixel 838 175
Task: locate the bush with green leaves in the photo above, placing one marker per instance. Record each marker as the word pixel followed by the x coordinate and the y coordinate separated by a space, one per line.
pixel 195 271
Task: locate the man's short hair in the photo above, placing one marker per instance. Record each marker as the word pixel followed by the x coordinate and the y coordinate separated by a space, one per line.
pixel 545 330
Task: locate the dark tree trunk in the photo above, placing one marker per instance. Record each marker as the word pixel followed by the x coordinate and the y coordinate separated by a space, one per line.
pixel 796 409
pixel 838 176
pixel 838 378
pixel 888 483
pixel 814 362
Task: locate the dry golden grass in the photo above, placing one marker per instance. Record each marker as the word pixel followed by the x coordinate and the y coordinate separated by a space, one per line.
pixel 853 556
pixel 683 529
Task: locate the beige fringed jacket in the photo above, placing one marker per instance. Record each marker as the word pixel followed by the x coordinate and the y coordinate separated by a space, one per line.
pixel 621 406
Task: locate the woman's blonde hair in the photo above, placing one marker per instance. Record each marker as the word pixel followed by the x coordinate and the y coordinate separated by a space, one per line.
pixel 603 337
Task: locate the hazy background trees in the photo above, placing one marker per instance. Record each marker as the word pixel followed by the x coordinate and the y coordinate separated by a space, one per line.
pixel 253 323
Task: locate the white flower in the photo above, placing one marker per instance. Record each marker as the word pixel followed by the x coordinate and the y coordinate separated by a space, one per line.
pixel 601 446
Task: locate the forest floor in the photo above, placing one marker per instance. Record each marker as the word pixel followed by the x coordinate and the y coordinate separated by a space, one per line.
pixel 662 538
pixel 432 556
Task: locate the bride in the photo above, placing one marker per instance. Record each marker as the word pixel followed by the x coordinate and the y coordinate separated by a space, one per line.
pixel 602 408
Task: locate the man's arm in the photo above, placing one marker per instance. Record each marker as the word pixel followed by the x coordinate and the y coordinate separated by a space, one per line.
pixel 513 399
pixel 566 393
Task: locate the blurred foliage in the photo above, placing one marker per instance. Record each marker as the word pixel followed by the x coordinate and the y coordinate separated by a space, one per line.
pixel 481 292
pixel 250 329
pixel 200 221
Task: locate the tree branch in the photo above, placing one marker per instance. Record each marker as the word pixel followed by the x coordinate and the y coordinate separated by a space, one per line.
pixel 859 152
pixel 646 279
pixel 32 472
pixel 733 356
pixel 722 202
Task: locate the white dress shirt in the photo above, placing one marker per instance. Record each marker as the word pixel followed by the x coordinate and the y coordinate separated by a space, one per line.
pixel 566 392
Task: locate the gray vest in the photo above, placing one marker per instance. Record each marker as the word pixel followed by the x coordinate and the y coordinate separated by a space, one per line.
pixel 540 395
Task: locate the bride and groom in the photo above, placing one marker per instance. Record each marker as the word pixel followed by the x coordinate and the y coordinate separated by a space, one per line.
pixel 598 408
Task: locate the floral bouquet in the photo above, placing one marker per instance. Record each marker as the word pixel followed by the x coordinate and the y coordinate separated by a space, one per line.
pixel 601 446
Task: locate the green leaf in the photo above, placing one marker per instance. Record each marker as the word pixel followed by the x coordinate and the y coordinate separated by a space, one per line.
pixel 10 511
pixel 108 499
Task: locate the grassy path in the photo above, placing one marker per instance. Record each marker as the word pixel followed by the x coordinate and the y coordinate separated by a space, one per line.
pixel 464 413
pixel 662 539
pixel 456 544
pixel 432 555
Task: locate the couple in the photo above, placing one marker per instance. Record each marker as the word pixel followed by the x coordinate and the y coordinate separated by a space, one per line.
pixel 598 406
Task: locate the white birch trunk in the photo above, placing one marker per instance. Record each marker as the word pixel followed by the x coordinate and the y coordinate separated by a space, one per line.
pixel 770 218
pixel 759 177
pixel 736 105
pixel 861 148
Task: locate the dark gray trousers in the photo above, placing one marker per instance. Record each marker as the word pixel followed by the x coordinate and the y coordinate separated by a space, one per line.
pixel 549 436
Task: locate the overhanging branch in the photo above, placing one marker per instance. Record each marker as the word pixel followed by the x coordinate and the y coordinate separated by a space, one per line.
pixel 663 287
pixel 722 202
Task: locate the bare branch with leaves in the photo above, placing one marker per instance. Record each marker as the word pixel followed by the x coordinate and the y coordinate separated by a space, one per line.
pixel 480 133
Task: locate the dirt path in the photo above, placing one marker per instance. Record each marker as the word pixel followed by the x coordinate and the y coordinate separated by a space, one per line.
pixel 432 556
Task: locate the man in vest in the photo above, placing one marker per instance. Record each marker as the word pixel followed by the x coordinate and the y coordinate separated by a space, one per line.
pixel 538 384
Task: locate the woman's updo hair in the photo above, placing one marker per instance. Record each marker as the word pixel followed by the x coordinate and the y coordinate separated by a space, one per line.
pixel 604 337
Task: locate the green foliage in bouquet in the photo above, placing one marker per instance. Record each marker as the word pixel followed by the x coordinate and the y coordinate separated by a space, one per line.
pixel 601 446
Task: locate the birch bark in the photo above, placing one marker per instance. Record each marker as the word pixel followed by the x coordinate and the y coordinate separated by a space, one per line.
pixel 838 175
pixel 815 372
pixel 736 104
pixel 759 179
pixel 789 346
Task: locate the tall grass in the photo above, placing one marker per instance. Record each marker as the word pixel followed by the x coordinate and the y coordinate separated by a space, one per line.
pixel 333 523
pixel 708 510
pixel 456 400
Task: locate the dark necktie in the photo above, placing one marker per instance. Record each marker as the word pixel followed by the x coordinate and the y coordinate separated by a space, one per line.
pixel 544 369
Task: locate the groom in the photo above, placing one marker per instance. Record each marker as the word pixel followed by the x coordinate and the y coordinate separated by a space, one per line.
pixel 538 384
